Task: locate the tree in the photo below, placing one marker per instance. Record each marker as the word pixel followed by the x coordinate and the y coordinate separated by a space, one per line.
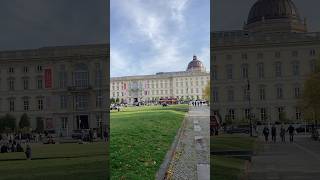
pixel 40 125
pixel 24 121
pixel 7 122
pixel 206 92
pixel 310 102
pixel 113 100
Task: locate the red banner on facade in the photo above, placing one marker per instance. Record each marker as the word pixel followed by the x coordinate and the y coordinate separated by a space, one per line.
pixel 48 78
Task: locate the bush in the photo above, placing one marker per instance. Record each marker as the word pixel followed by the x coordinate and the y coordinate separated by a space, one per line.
pixel 7 122
pixel 24 121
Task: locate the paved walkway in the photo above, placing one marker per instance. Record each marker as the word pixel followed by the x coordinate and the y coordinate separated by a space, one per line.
pixel 290 161
pixel 191 160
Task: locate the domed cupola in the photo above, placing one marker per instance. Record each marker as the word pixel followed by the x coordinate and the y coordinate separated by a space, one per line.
pixel 196 65
pixel 275 16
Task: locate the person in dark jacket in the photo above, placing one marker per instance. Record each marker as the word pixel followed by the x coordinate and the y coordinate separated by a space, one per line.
pixel 283 134
pixel 266 133
pixel 28 152
pixel 291 132
pixel 274 133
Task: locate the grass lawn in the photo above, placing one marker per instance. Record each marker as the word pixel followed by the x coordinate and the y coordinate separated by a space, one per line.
pixel 57 161
pixel 228 168
pixel 140 139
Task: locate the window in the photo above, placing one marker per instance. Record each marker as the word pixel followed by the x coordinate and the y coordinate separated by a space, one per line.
pixel 229 70
pixel 244 71
pixel 260 67
pixel 262 93
pixel 40 104
pixel 11 105
pixel 295 68
pixel 246 94
pixel 280 113
pixel 39 68
pixel 214 73
pixel 26 104
pixel 25 69
pixel 81 102
pixel 98 75
pixel 64 122
pixel 11 70
pixel 297 92
pixel 230 92
pixel 25 83
pixel 81 76
pixel 313 67
pixel 11 83
pixel 231 114
pixel 39 83
pixel 278 69
pixel 99 99
pixel 263 114
pixel 279 92
pixel 312 52
pixel 62 77
pixel 298 114
pixel 247 113
pixel 63 102
pixel 215 95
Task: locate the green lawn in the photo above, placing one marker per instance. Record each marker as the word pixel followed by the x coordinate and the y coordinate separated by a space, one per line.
pixel 228 168
pixel 57 161
pixel 140 138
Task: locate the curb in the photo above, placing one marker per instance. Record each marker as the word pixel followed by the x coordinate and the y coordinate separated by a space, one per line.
pixel 162 173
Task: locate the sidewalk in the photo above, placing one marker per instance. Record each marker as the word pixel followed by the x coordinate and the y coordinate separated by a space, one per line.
pixel 290 161
pixel 191 160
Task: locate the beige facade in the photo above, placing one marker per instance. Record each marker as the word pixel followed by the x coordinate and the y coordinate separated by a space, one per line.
pixel 186 85
pixel 274 62
pixel 64 87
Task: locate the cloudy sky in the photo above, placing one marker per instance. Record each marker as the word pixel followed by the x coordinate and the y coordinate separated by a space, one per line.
pixel 149 36
pixel 29 24
pixel 231 14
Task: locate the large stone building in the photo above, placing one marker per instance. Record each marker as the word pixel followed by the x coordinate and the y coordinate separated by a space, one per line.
pixel 62 88
pixel 259 72
pixel 183 85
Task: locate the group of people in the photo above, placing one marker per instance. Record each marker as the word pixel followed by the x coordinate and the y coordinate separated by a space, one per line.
pixel 10 146
pixel 197 103
pixel 282 133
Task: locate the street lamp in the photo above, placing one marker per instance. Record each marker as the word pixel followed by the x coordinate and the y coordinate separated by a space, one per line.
pixel 249 100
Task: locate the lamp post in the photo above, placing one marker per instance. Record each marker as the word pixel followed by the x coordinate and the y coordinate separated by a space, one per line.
pixel 249 100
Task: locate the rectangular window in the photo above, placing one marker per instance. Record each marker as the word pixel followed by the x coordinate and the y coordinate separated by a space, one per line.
pixel 298 114
pixel 39 69
pixel 214 73
pixel 260 68
pixel 11 70
pixel 11 105
pixel 99 100
pixel 279 92
pixel 64 122
pixel 11 84
pixel 26 104
pixel 229 71
pixel 39 83
pixel 278 69
pixel 63 102
pixel 231 114
pixel 230 95
pixel 244 71
pixel 247 113
pixel 295 68
pixel 262 93
pixel 297 92
pixel 40 104
pixel 25 69
pixel 81 102
pixel 263 114
pixel 25 84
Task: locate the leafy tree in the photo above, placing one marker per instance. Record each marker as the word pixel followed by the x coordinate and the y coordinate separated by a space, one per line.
pixel 7 122
pixel 310 101
pixel 24 121
pixel 206 92
pixel 40 125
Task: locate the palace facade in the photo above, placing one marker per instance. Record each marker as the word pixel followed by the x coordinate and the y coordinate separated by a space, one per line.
pixel 259 72
pixel 183 85
pixel 59 88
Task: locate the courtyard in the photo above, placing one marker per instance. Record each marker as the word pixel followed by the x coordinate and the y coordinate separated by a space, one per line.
pixel 140 139
pixel 57 161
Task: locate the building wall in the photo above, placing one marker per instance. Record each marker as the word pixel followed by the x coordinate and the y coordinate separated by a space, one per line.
pixel 60 100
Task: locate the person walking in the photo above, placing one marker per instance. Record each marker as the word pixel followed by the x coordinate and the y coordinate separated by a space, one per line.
pixel 28 152
pixel 291 132
pixel 283 134
pixel 274 133
pixel 266 133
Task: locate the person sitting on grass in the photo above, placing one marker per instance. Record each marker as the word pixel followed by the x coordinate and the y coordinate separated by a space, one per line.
pixel 28 152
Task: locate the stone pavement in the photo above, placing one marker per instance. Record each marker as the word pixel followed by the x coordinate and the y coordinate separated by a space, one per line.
pixel 290 161
pixel 191 160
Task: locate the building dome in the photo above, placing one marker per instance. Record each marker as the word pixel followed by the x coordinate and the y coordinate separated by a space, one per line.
pixel 195 65
pixel 282 15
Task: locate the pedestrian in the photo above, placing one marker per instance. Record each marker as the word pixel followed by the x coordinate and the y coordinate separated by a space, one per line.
pixel 266 133
pixel 291 132
pixel 274 133
pixel 283 134
pixel 105 135
pixel 28 152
